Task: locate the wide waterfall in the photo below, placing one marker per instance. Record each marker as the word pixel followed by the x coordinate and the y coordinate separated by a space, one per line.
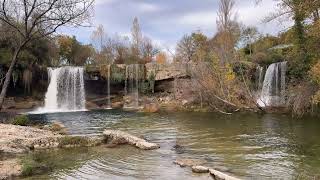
pixel 65 91
pixel 273 89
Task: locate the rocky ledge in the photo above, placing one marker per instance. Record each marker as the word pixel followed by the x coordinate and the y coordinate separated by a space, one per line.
pixel 119 137
pixel 19 139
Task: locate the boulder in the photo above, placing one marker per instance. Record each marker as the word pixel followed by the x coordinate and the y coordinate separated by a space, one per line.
pixel 119 137
pixel 221 176
pixel 151 108
pixel 117 105
pixel 200 169
pixel 188 162
pixel 91 105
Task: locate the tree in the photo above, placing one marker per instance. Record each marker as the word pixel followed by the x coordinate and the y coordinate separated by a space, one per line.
pixel 228 32
pixel 72 52
pixel 30 20
pixel 249 36
pixel 186 49
pixel 98 38
pixel 161 58
pixel 136 36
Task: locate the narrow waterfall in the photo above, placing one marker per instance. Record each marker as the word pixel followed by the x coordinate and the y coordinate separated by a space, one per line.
pixel 132 85
pixel 273 89
pixel 259 78
pixel 65 91
pixel 109 78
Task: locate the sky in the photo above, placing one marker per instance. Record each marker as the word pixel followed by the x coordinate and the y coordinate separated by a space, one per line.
pixel 166 21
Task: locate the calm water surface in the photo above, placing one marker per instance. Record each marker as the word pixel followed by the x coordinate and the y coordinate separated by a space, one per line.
pixel 251 146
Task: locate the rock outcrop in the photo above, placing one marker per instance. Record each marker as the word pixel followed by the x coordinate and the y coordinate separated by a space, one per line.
pixel 200 169
pixel 119 137
pixel 221 176
pixel 19 139
pixel 10 168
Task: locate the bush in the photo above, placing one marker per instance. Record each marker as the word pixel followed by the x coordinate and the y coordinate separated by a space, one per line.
pixel 35 165
pixel 21 120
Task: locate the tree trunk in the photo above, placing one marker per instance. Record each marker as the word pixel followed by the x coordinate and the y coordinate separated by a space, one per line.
pixel 8 77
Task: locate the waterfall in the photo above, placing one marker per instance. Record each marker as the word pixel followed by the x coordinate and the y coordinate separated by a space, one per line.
pixel 109 78
pixel 259 78
pixel 65 91
pixel 273 89
pixel 132 85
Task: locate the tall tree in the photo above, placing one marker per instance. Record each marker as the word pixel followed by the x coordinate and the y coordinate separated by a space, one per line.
pixel 186 49
pixel 98 37
pixel 228 31
pixel 30 20
pixel 137 38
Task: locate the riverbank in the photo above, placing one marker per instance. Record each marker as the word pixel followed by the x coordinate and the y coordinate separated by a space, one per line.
pixel 18 140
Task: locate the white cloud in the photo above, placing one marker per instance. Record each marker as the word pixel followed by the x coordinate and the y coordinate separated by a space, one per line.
pixel 98 2
pixel 146 7
pixel 198 19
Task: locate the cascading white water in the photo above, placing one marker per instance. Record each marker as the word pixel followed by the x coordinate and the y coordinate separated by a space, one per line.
pixel 65 91
pixel 259 78
pixel 273 89
pixel 132 86
pixel 109 79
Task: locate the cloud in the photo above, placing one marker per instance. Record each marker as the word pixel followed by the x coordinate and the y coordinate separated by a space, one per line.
pixel 167 21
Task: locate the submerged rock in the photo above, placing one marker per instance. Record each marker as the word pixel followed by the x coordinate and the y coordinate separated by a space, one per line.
pixel 188 162
pixel 179 149
pixel 119 137
pixel 200 169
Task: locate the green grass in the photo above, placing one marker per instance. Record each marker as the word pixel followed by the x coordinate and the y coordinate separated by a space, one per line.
pixel 21 120
pixel 73 141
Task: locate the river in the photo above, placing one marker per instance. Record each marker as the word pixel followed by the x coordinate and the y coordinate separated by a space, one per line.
pixel 249 146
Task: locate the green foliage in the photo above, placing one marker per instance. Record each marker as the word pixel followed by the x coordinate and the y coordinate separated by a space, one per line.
pixel 21 120
pixel 117 74
pixel 36 164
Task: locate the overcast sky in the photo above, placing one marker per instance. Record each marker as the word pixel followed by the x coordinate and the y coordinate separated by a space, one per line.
pixel 166 21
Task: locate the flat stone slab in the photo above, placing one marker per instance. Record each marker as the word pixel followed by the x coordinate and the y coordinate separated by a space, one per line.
pixel 200 169
pixel 188 162
pixel 221 176
pixel 119 137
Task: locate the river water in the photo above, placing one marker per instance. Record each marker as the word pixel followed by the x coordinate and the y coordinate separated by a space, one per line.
pixel 248 146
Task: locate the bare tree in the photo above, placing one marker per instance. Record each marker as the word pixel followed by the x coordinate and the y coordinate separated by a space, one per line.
pixel 98 37
pixel 228 31
pixel 249 35
pixel 186 49
pixel 30 20
pixel 136 39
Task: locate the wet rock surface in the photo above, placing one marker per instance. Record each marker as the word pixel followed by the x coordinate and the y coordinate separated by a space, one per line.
pixel 200 169
pixel 119 138
pixel 188 162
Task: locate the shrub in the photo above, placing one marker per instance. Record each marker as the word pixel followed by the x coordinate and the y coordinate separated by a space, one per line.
pixel 21 120
pixel 35 165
